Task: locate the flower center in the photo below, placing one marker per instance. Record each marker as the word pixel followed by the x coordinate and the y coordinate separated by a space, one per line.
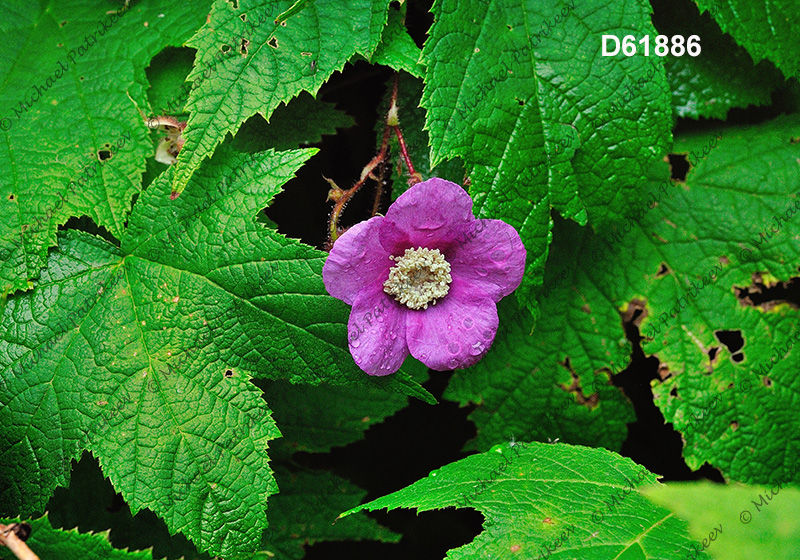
pixel 420 277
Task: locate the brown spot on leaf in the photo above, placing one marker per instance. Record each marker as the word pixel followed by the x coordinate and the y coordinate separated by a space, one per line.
pixel 768 295
pixel 734 425
pixel 635 312
pixel 575 388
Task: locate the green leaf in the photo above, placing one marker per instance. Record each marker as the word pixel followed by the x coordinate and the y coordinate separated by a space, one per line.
pixel 722 77
pixel 303 121
pixel 521 92
pixel 756 521
pixel 543 500
pixel 397 49
pixel 248 63
pixel 726 409
pixel 168 87
pixel 145 351
pixel 305 513
pixel 551 386
pixel 90 504
pixel 72 142
pixel 766 28
pixel 315 419
pixel 47 542
pixel 716 232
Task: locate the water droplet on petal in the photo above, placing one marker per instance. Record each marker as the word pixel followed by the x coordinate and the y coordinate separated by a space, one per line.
pixel 476 349
pixel 452 363
pixel 488 335
pixel 481 271
pixel 431 222
pixel 498 256
pixel 355 343
pixel 453 348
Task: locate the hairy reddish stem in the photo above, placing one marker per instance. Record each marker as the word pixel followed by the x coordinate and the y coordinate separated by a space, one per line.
pixel 342 196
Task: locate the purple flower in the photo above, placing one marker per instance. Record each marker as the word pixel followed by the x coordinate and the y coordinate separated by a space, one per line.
pixel 424 279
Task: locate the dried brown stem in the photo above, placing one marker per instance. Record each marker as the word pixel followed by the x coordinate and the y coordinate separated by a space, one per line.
pixel 9 539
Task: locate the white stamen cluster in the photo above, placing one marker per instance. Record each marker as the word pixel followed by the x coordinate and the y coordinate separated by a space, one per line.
pixel 420 277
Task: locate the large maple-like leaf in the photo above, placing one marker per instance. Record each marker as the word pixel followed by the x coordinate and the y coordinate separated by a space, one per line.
pixel 71 140
pixel 688 269
pixel 521 92
pixel 142 354
pixel 550 501
pixel 766 28
pixel 254 54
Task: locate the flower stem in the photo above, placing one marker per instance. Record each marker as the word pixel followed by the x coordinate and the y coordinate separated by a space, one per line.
pixel 342 197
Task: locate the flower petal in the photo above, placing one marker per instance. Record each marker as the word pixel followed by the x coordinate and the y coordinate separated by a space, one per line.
pixel 427 215
pixel 356 261
pixel 489 255
pixel 456 332
pixel 377 332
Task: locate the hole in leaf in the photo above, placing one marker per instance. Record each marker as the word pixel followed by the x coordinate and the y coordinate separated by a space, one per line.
pixel 712 353
pixel 734 425
pixel 520 102
pixel 81 78
pixel 732 340
pixel 663 270
pixel 678 166
pixel 738 357
pixel 228 373
pixel 767 381
pixel 243 48
pixel 225 48
pixel 674 392
pixel 636 311
pixel 63 23
pixel 794 140
pixel 767 296
pixel 273 43
pixel 11 197
pixel 243 17
pixel 103 155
